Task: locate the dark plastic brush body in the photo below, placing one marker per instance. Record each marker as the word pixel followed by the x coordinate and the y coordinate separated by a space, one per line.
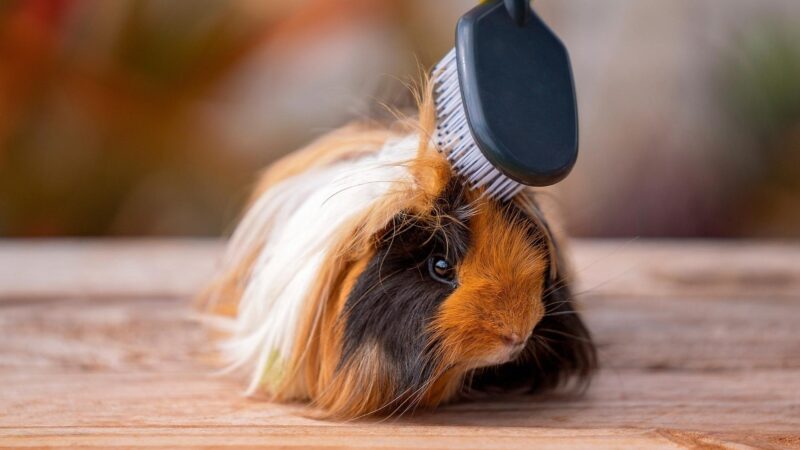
pixel 506 106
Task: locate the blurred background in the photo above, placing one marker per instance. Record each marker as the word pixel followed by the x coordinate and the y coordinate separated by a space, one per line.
pixel 152 117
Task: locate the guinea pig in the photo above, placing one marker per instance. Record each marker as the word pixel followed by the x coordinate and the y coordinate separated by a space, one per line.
pixel 367 278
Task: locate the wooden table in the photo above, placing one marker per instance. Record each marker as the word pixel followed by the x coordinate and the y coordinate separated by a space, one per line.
pixel 699 343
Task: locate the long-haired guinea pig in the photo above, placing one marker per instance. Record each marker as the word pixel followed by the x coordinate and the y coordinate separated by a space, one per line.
pixel 366 278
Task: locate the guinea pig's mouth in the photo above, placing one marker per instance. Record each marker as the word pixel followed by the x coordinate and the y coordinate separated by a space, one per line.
pixel 505 352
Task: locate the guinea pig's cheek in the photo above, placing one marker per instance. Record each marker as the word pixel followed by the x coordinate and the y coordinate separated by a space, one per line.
pixel 454 328
pixel 464 333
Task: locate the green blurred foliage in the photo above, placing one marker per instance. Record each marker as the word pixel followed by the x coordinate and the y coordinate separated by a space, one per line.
pixel 761 90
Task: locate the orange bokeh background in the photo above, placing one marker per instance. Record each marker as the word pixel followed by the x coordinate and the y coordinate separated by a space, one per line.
pixel 153 117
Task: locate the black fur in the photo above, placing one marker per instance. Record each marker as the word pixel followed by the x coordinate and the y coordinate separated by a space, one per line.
pixel 394 299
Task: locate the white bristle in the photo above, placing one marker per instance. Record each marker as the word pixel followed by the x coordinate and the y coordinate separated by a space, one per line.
pixel 454 139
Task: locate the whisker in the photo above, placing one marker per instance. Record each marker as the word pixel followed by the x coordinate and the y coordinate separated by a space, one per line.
pixel 549 348
pixel 565 334
pixel 561 313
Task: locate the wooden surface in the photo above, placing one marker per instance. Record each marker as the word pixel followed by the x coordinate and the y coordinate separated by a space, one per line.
pixel 699 343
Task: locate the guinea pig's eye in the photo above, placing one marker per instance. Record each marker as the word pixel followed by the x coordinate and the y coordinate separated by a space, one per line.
pixel 442 270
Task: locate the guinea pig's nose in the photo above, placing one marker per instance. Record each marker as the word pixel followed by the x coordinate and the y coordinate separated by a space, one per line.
pixel 512 340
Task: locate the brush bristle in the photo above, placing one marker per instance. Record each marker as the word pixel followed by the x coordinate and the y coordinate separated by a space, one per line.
pixel 454 138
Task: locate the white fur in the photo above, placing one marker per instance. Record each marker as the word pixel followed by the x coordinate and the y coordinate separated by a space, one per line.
pixel 291 226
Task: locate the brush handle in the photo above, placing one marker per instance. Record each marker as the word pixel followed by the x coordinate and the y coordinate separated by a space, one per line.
pixel 519 10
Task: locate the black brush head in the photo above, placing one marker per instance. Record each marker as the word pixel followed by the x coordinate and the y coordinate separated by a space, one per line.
pixel 518 92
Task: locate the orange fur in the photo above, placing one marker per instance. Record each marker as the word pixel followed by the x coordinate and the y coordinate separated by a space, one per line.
pixel 502 294
pixel 351 141
pixel 502 275
pixel 319 339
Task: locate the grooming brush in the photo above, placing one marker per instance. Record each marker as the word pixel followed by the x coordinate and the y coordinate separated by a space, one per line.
pixel 505 101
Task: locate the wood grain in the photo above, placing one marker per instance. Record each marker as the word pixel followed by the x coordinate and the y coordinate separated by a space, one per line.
pixel 699 344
